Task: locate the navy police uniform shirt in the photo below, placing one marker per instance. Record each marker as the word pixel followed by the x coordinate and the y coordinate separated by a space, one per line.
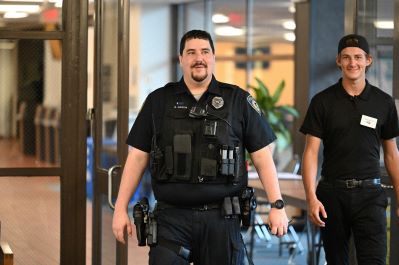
pixel 246 120
pixel 351 128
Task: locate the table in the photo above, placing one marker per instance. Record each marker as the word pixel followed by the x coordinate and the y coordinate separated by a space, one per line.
pixel 293 194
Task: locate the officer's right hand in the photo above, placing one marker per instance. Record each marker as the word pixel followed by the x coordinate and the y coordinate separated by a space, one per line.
pixel 121 221
pixel 315 210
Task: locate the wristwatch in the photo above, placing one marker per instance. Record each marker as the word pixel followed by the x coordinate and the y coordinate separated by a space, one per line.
pixel 278 204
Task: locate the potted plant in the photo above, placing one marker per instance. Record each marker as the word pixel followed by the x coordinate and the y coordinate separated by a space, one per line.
pixel 278 116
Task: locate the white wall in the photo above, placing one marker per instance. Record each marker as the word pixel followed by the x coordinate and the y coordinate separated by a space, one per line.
pixel 52 78
pixel 8 88
pixel 150 53
pixel 154 60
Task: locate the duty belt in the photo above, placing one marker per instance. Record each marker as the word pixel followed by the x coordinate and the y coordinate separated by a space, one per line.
pixel 203 207
pixel 354 183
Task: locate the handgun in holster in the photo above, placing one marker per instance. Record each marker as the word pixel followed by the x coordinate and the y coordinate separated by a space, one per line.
pixel 145 222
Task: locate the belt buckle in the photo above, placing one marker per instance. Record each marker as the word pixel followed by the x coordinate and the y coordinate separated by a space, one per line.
pixel 352 183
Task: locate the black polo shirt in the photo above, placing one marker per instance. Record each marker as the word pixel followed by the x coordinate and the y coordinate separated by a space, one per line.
pixel 247 122
pixel 351 150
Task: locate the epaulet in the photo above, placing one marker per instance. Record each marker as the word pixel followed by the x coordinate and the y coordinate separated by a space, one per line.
pixel 164 89
pixel 170 85
pixel 227 85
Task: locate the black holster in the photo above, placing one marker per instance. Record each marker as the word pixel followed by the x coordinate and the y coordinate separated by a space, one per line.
pixel 146 224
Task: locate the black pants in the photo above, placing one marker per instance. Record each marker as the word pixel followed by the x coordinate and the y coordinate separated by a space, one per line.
pixel 361 211
pixel 212 238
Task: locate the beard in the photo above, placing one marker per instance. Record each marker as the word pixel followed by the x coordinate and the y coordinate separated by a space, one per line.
pixel 199 77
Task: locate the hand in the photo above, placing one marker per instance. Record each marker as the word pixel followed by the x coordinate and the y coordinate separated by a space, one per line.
pixel 315 209
pixel 121 221
pixel 278 222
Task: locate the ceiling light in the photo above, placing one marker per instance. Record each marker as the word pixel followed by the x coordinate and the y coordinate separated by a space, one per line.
pixel 292 8
pixel 20 8
pixel 24 1
pixel 383 24
pixel 13 14
pixel 220 18
pixel 289 24
pixel 290 36
pixel 57 3
pixel 228 31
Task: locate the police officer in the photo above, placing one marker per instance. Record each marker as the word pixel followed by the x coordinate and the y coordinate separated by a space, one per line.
pixel 352 118
pixel 193 134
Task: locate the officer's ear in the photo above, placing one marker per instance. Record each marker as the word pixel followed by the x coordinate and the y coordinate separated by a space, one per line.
pixel 180 58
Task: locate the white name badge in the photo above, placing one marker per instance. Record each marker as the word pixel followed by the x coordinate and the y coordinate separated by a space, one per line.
pixel 368 121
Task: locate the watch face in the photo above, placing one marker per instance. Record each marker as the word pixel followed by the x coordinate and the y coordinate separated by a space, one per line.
pixel 279 204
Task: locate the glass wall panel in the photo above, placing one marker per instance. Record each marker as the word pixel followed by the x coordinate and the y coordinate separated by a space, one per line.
pixel 43 15
pixel 375 22
pixel 109 68
pixel 30 103
pixel 30 220
pixel 256 45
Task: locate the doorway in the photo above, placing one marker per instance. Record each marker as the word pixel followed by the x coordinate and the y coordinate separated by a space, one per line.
pixel 43 57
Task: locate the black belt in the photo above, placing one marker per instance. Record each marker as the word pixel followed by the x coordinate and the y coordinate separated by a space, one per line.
pixel 354 183
pixel 203 207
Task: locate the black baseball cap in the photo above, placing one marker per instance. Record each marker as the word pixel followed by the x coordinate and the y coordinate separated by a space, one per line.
pixel 353 40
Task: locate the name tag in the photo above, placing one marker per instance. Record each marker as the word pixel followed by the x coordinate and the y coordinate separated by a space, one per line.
pixel 368 121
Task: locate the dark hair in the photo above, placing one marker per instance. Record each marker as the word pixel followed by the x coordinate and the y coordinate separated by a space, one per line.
pixel 195 34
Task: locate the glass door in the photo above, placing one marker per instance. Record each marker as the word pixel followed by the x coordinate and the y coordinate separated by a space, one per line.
pixel 42 161
pixel 110 124
pixel 378 21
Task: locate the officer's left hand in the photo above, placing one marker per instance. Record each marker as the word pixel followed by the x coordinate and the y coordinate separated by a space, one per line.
pixel 278 222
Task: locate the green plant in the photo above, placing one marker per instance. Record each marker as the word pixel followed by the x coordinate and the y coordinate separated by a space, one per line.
pixel 278 116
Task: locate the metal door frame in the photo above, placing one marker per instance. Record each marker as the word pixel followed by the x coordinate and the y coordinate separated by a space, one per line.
pixel 100 184
pixel 72 169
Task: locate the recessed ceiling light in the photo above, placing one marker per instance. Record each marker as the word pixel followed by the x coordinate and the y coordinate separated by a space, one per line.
pixel 289 24
pixel 15 14
pixel 228 31
pixel 290 36
pixel 24 1
pixel 220 18
pixel 383 24
pixel 20 8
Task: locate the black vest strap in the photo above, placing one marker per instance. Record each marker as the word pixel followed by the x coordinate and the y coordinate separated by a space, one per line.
pixel 181 251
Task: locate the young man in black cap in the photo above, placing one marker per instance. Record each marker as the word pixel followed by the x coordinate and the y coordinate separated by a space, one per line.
pixel 352 118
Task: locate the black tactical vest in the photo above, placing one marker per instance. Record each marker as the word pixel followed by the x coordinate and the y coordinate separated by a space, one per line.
pixel 196 144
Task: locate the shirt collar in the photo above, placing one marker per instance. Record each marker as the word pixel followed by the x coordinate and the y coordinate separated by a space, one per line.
pixel 341 92
pixel 213 87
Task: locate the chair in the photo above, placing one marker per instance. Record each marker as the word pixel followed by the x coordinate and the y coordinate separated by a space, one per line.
pixel 259 227
pixel 291 239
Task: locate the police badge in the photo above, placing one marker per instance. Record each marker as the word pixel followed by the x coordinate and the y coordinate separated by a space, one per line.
pixel 254 104
pixel 217 102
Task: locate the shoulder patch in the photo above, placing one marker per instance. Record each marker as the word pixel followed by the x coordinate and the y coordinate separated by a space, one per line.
pixel 254 104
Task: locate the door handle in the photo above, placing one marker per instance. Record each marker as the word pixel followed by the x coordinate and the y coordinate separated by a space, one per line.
pixel 110 174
